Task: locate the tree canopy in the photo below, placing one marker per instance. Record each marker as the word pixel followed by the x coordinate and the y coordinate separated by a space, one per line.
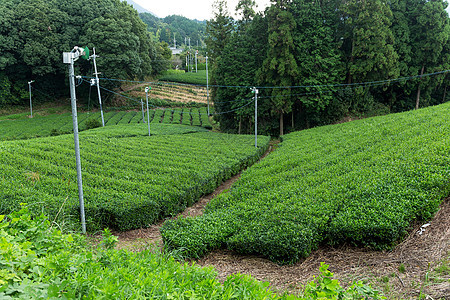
pixel 174 26
pixel 34 34
pixel 322 61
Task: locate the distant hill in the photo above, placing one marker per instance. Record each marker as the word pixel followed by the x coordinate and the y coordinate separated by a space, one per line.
pixel 175 26
pixel 139 8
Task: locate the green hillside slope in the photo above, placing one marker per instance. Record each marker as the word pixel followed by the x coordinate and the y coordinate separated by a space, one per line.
pixel 362 183
pixel 130 179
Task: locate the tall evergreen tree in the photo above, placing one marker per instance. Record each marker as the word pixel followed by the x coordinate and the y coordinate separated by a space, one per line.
pixel 280 67
pixel 429 26
pixel 218 30
pixel 240 61
pixel 317 54
pixel 370 43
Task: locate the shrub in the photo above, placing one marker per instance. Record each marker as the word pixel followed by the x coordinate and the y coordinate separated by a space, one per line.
pixel 92 123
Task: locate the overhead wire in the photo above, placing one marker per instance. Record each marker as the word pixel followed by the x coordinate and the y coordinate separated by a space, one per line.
pixel 386 81
pixel 345 87
pixel 320 92
pixel 41 92
pixel 250 100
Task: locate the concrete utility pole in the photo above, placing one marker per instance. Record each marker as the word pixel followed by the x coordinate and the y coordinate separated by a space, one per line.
pixel 97 83
pixel 69 58
pixel 188 60
pixel 29 90
pixel 255 91
pixel 148 113
pixel 196 53
pixel 207 84
pixel 143 115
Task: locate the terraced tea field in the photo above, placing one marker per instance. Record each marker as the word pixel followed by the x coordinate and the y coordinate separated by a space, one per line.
pixel 22 127
pixel 171 92
pixel 130 179
pixel 361 183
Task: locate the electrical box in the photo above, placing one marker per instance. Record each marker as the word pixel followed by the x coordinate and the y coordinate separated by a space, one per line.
pixel 67 57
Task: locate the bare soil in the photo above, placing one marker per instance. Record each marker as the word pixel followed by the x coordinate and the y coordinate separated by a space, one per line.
pixel 406 272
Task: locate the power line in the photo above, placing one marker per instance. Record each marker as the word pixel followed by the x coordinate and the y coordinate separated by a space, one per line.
pixel 321 92
pixel 41 92
pixel 386 81
pixel 370 83
pixel 174 110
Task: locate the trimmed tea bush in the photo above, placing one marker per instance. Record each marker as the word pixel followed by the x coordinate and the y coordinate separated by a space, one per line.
pixel 362 183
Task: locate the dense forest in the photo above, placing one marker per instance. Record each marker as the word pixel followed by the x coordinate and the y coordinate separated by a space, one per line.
pixel 178 27
pixel 326 60
pixel 35 33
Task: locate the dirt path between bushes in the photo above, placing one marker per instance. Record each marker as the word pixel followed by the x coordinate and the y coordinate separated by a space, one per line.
pixel 406 272
pixel 137 238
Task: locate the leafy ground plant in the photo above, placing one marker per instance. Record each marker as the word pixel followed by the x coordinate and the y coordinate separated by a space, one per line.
pixel 325 287
pixel 38 262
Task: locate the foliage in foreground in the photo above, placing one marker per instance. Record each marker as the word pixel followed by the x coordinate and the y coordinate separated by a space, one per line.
pixel 130 180
pixel 362 182
pixel 38 262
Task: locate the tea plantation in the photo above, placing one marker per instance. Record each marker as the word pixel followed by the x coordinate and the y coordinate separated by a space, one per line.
pixel 37 261
pixel 362 183
pixel 20 126
pixel 130 180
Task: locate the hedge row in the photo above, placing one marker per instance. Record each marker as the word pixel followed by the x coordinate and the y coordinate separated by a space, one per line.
pixel 361 183
pixel 130 180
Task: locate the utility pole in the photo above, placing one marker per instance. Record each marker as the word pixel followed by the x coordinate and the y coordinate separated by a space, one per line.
pixel 29 90
pixel 148 113
pixel 142 107
pixel 255 91
pixel 69 58
pixel 207 84
pixel 188 61
pixel 96 82
pixel 196 53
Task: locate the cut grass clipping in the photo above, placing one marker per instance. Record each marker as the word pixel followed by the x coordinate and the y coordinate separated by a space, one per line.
pixel 130 180
pixel 361 183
